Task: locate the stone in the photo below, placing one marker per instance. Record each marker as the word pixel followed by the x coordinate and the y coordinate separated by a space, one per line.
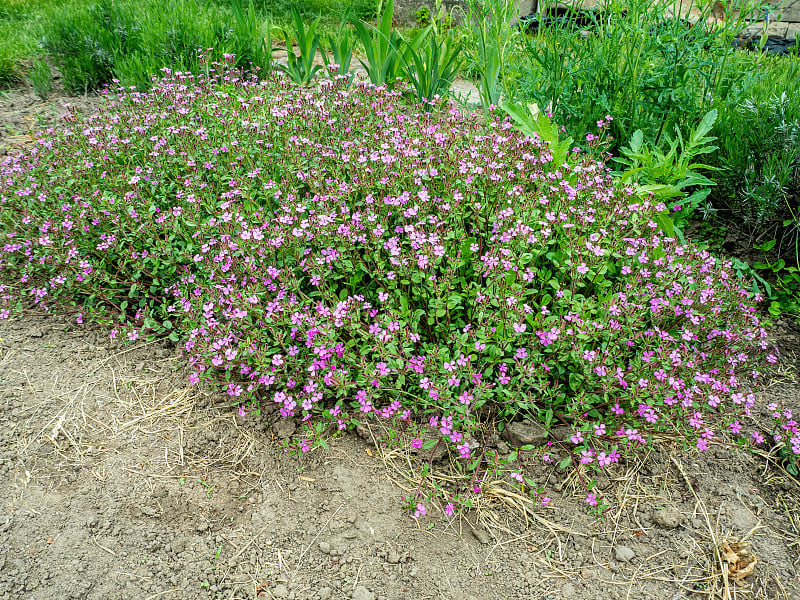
pixel 325 547
pixel 280 591
pixel 481 536
pixel 393 558
pixel 324 593
pixel 284 428
pixel 362 593
pixel 525 433
pixel 668 517
pixel 624 554
pixel 742 519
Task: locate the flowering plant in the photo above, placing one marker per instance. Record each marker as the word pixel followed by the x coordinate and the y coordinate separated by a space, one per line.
pixel 334 254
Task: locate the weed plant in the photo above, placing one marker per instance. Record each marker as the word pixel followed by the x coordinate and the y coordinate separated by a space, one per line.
pixel 338 256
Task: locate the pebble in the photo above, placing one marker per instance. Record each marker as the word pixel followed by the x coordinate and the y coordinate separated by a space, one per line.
pixel 324 593
pixel 624 554
pixel 362 593
pixel 668 517
pixel 325 547
pixel 280 591
pixel 481 536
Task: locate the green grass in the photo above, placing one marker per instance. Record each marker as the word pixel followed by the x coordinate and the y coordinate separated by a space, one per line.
pixel 20 21
pixel 84 37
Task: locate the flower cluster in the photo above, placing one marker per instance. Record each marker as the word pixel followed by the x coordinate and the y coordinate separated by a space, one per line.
pixel 333 253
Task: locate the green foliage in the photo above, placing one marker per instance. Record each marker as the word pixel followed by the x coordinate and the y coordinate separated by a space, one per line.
pixel 785 297
pixel 432 69
pixel 340 46
pixel 759 137
pixel 380 46
pixel 9 72
pixel 132 40
pixel 85 41
pixel 301 68
pixel 252 37
pixel 489 36
pixel 673 174
pixel 531 121
pixel 648 70
pixel 41 79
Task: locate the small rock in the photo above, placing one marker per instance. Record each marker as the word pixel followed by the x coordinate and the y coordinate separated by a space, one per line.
pixel 35 333
pixel 481 536
pixel 280 591
pixel 525 433
pixel 325 547
pixel 324 593
pixel 567 591
pixel 362 593
pixel 201 527
pixel 393 558
pixel 624 554
pixel 668 517
pixel 284 428
pixel 742 519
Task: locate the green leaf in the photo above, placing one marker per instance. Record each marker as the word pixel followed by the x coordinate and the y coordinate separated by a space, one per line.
pixel 565 463
pixel 766 246
pixel 665 223
pixel 575 381
pixel 429 444
pixel 404 305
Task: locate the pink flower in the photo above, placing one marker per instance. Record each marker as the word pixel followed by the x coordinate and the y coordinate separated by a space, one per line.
pixel 420 510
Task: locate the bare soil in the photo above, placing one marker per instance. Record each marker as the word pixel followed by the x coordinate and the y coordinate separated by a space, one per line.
pixel 119 481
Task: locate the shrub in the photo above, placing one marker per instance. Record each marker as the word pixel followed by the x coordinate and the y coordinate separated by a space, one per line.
pixel 342 258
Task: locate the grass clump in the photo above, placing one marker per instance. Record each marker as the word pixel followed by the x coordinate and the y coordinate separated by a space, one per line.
pixel 335 255
pixel 129 41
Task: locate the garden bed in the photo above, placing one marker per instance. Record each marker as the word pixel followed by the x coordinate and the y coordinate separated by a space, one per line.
pixel 123 481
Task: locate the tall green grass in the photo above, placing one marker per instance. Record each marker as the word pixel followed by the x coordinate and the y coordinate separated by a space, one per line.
pixel 19 23
pixel 649 70
pixel 131 40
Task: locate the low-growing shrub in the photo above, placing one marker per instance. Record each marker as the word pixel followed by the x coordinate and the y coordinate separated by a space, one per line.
pixel 338 256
